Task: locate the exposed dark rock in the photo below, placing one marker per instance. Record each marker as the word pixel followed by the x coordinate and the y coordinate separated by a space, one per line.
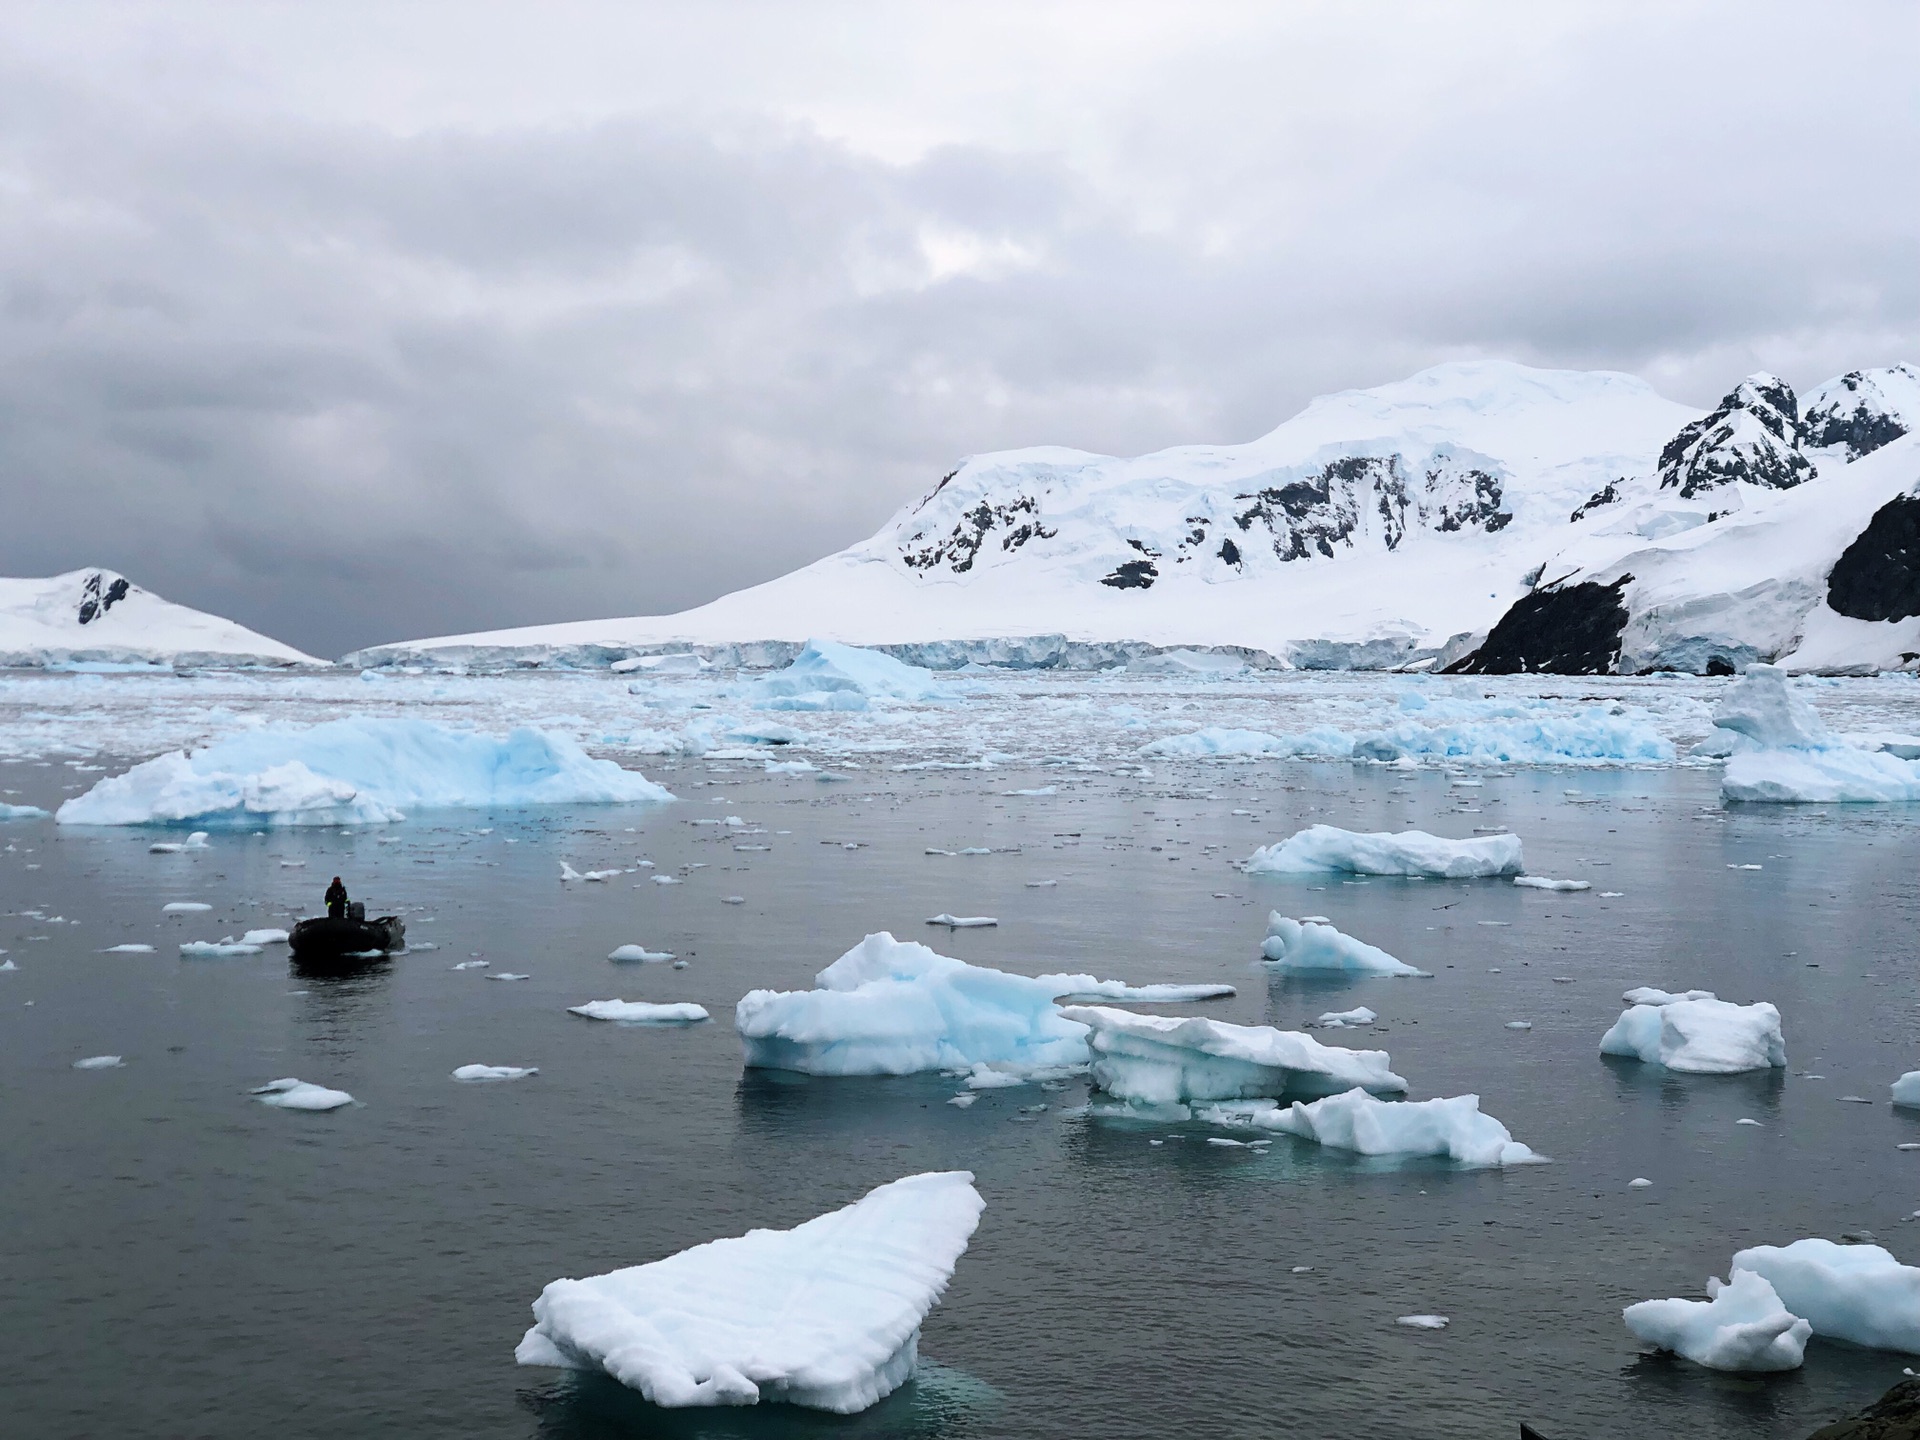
pixel 1894 1416
pixel 1020 516
pixel 1311 516
pixel 1607 494
pixel 1877 577
pixel 1850 414
pixel 1561 630
pixel 1752 435
pixel 98 595
pixel 1229 551
pixel 1132 575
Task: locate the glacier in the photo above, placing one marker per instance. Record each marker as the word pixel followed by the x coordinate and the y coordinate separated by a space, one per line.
pixel 1700 1036
pixel 826 1315
pixel 1742 1325
pixel 355 771
pixel 1452 1128
pixel 1321 848
pixel 1165 1060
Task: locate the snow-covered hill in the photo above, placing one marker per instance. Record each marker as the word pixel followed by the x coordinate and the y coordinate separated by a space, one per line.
pixel 1372 529
pixel 95 617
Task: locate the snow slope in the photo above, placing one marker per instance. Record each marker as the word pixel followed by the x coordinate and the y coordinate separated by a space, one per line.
pixel 95 617
pixel 1344 535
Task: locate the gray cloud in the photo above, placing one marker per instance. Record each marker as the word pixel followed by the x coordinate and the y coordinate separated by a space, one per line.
pixel 354 377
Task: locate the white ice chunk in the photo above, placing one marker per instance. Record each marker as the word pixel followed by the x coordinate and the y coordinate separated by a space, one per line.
pixel 21 812
pixel 568 874
pixel 1835 776
pixel 1341 1019
pixel 264 937
pixel 1423 1322
pixel 128 950
pixel 1354 1120
pixel 1214 742
pixel 1648 995
pixel 184 907
pixel 99 1062
pixel 985 1077
pixel 826 668
pixel 495 1072
pixel 1742 1327
pixel 1541 882
pixel 1906 1090
pixel 1856 1293
pixel 1170 1060
pixel 962 922
pixel 639 953
pixel 889 1007
pixel 196 841
pixel 292 1094
pixel 1701 1037
pixel 826 1315
pixel 641 1012
pixel 1303 945
pixel 1410 852
pixel 217 949
pixel 1762 707
pixel 364 770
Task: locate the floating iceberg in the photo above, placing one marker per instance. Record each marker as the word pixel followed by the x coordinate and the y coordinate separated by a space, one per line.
pixel 1214 742
pixel 291 1094
pixel 1541 882
pixel 1295 945
pixel 99 1062
pixel 1906 1090
pixel 129 949
pixel 357 771
pixel 196 841
pixel 1342 1019
pixel 1171 1060
pixel 495 1072
pixel 21 812
pixel 218 949
pixel 889 1007
pixel 1701 1036
pixel 962 922
pixel 1411 852
pixel 1783 754
pixel 830 676
pixel 640 953
pixel 1648 995
pixel 641 1012
pixel 184 907
pixel 264 937
pixel 1743 1326
pixel 1856 1293
pixel 825 1315
pixel 1594 735
pixel 1354 1120
pixel 1763 710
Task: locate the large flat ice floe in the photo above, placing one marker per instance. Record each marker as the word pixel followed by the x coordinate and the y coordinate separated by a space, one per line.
pixel 1856 1293
pixel 1741 1326
pixel 1322 848
pixel 1311 945
pixel 1697 1033
pixel 825 1315
pixel 358 771
pixel 1174 1060
pixel 891 1007
pixel 1452 1128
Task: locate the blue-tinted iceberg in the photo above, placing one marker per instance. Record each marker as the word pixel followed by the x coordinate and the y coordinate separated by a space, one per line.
pixel 1311 945
pixel 825 1315
pixel 1906 1090
pixel 1323 743
pixel 1174 1060
pixel 830 676
pixel 1452 1128
pixel 1742 1326
pixel 1322 848
pixel 359 771
pixel 1699 1035
pixel 1856 1293
pixel 1783 754
pixel 891 1007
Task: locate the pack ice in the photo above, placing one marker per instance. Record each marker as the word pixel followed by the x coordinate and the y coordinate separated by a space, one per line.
pixel 825 1315
pixel 1173 1060
pixel 1297 945
pixel 1742 1325
pixel 1856 1293
pixel 355 771
pixel 827 675
pixel 1697 1033
pixel 1781 753
pixel 891 1007
pixel 1321 848
pixel 1353 1120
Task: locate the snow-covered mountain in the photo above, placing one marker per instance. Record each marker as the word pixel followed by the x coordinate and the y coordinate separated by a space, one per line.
pixel 95 617
pixel 1377 527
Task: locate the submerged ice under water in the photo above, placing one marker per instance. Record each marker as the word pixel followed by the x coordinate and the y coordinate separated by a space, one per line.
pixel 159 1198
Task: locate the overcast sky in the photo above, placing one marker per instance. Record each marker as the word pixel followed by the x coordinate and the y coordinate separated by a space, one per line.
pixel 362 322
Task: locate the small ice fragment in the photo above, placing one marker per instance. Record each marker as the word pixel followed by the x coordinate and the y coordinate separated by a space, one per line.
pixel 264 937
pixel 128 950
pixel 679 964
pixel 975 850
pixel 472 964
pixel 640 1012
pixel 1227 1144
pixel 733 899
pixel 1423 1322
pixel 1343 1019
pixel 665 880
pixel 1744 1121
pixel 1519 1024
pixel 292 1094
pixel 1041 884
pixel 1541 882
pixel 1639 1182
pixel 99 1062
pixel 1303 1270
pixel 508 975
pixel 639 953
pixel 962 922
pixel 1855 1100
pixel 984 1077
pixel 218 948
pixel 184 907
pixel 931 850
pixel 495 1072
pixel 963 1101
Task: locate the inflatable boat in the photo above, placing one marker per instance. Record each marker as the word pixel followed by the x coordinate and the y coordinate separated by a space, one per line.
pixel 353 938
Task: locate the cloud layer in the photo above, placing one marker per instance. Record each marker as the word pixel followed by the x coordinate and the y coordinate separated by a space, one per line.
pixel 356 336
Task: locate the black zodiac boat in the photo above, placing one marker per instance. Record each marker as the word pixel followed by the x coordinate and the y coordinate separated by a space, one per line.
pixel 325 940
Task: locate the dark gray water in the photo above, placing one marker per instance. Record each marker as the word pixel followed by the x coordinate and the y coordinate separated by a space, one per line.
pixel 178 1260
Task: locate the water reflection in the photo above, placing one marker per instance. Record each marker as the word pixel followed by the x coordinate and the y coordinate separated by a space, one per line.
pixel 1758 1091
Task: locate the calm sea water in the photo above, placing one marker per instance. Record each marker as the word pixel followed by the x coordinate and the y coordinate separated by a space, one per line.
pixel 179 1260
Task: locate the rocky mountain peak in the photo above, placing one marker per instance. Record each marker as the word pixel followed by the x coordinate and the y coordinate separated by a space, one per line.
pixel 1752 435
pixel 1860 411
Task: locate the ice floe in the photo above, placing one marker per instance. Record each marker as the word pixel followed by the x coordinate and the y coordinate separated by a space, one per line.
pixel 1541 882
pixel 1856 1293
pixel 1310 945
pixel 568 874
pixel 196 841
pixel 962 922
pixel 1322 848
pixel 99 1062
pixel 21 812
pixel 1906 1090
pixel 495 1072
pixel 641 1012
pixel 292 1094
pixel 1453 1128
pixel 1742 1326
pixel 128 949
pixel 215 949
pixel 265 937
pixel 1174 1060
pixel 1702 1036
pixel 826 1315
pixel 1344 1019
pixel 184 907
pixel 1215 742
pixel 639 953
pixel 355 771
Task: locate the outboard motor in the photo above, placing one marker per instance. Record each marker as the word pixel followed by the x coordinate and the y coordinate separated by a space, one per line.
pixel 357 910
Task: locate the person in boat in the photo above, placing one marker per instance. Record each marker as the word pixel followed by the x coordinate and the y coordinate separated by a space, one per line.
pixel 336 900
